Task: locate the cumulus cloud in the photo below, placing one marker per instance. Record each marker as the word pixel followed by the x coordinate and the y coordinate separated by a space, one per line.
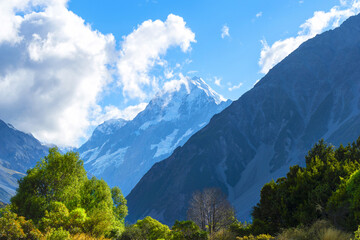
pixel 113 112
pixel 235 87
pixel 143 49
pixel 321 21
pixel 259 14
pixel 52 68
pixel 225 31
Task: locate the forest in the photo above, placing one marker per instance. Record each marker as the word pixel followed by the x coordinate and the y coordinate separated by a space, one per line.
pixel 320 200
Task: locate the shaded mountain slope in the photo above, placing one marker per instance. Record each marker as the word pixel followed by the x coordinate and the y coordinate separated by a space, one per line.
pixel 313 93
pixel 18 152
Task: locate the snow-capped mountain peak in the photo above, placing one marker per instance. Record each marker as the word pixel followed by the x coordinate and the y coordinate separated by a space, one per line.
pixel 122 155
pixel 200 83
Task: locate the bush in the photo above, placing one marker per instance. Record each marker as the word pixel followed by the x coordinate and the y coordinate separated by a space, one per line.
pixel 58 234
pixel 258 237
pixel 147 228
pixel 320 230
pixel 13 226
pixel 188 230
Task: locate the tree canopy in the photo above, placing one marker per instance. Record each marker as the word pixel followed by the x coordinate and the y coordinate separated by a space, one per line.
pixel 56 194
pixel 303 196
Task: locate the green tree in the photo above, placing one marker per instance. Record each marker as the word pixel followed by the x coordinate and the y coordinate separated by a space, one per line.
pixel 187 230
pixel 56 178
pixel 303 196
pixel 56 217
pixel 15 227
pixel 120 208
pixel 147 229
pixel 57 195
pixel 97 201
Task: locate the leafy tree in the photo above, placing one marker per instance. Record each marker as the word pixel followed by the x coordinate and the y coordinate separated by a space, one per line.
pixel 97 201
pixel 210 210
pixel 344 204
pixel 58 234
pixel 56 178
pixel 56 217
pixel 14 227
pixel 303 196
pixel 77 220
pixel 120 208
pixel 147 229
pixel 57 195
pixel 188 230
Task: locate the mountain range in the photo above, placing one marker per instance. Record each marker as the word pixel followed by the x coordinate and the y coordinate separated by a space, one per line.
pixel 19 151
pixel 121 152
pixel 313 93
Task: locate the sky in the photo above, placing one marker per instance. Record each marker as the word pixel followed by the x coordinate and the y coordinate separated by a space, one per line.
pixel 68 65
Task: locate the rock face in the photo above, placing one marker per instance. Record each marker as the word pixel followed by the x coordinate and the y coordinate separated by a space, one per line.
pixel 18 152
pixel 314 93
pixel 121 152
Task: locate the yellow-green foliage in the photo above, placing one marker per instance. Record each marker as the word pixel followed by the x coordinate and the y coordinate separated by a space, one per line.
pixel 258 237
pixel 357 234
pixel 83 236
pixel 320 230
pixel 222 234
pixel 58 234
pixel 147 228
pixel 13 226
pixel 57 195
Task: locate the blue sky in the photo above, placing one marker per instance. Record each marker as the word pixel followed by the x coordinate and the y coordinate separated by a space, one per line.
pixel 68 65
pixel 233 59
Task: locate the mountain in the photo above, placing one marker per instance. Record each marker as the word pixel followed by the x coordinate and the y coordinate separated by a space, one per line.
pixel 121 152
pixel 19 151
pixel 313 93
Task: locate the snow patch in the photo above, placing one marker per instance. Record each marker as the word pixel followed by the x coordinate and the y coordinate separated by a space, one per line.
pixel 202 124
pixel 200 83
pixel 187 133
pixel 164 146
pixel 116 158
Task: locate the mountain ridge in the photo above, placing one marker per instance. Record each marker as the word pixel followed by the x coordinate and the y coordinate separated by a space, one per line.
pixel 122 157
pixel 19 151
pixel 312 93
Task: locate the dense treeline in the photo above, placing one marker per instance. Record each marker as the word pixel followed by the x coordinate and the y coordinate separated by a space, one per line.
pixel 326 188
pixel 56 200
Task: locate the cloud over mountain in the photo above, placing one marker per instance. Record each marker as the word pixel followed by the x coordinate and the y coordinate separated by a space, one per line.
pixel 54 67
pixel 321 21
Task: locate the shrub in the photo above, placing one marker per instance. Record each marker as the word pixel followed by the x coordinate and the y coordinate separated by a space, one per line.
pixel 320 230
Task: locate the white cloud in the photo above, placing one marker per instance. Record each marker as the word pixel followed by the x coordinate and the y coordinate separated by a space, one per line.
pixel 259 14
pixel 235 87
pixel 112 112
pixel 52 68
pixel 225 31
pixel 217 81
pixel 169 74
pixel 175 85
pixel 321 21
pixel 143 49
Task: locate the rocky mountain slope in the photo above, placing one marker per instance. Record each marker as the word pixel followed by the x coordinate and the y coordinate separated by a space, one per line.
pixel 121 152
pixel 314 93
pixel 18 152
